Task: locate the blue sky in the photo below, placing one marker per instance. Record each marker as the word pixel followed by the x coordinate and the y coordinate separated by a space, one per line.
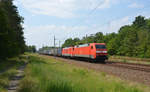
pixel 76 18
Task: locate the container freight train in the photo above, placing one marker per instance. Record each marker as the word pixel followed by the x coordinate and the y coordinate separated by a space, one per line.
pixel 91 51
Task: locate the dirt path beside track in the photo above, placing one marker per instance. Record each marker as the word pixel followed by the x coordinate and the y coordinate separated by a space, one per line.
pixel 14 83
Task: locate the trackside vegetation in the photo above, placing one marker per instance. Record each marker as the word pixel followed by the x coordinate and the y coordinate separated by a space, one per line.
pixel 129 59
pixel 131 40
pixel 8 70
pixel 44 74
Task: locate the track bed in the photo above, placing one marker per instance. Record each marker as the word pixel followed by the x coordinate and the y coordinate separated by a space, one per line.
pixel 132 72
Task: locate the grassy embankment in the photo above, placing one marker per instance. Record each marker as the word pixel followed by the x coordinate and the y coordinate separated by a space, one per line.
pixel 129 59
pixel 8 69
pixel 45 74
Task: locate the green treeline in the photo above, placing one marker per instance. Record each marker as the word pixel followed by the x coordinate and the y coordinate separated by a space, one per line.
pixel 11 35
pixel 31 49
pixel 131 40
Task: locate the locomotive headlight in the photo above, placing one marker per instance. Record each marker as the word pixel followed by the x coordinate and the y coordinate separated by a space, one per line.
pixel 101 51
pixel 104 51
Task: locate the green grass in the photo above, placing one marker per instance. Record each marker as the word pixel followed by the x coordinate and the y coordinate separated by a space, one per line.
pixel 129 59
pixel 45 74
pixel 8 69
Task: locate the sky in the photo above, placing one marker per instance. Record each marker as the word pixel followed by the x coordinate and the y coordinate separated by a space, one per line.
pixel 44 19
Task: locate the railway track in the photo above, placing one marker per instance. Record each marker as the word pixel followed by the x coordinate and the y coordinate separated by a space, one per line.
pixel 127 71
pixel 133 66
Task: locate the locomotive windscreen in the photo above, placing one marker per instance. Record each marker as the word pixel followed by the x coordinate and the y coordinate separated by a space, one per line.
pixel 100 46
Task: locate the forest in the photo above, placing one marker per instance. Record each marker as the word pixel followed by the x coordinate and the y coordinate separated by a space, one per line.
pixel 131 40
pixel 11 31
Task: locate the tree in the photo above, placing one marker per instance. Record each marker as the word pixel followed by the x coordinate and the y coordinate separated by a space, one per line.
pixel 68 42
pixel 139 21
pixel 109 37
pixel 31 49
pixel 11 32
pixel 112 47
pixel 99 38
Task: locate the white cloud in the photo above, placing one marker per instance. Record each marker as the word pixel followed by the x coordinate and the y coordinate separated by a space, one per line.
pixel 58 8
pixel 15 2
pixel 136 5
pixel 91 4
pixel 115 25
pixel 63 8
pixel 43 35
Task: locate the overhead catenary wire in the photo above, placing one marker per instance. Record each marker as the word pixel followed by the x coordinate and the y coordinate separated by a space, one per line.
pixel 89 14
pixel 95 8
pixel 92 11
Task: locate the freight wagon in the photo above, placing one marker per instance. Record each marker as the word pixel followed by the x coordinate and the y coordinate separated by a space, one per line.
pixel 56 52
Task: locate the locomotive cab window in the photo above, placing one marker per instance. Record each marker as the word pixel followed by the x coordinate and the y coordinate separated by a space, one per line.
pixel 91 47
pixel 100 47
